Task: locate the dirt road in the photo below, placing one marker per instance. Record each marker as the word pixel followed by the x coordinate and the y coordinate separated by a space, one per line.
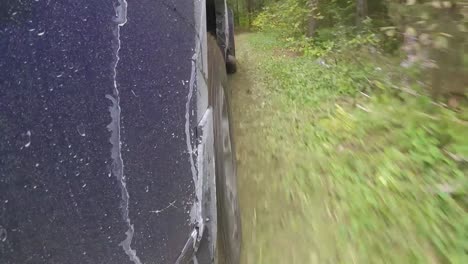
pixel 273 223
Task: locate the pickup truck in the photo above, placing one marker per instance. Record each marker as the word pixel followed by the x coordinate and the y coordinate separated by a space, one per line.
pixel 115 137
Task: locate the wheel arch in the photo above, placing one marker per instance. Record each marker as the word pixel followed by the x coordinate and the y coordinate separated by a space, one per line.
pixel 217 23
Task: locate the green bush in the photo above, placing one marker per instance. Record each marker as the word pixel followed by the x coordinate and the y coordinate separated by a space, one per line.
pixel 392 162
pixel 287 18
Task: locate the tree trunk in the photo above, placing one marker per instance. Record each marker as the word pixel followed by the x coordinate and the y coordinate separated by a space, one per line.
pixel 237 17
pixel 312 22
pixel 249 11
pixel 361 11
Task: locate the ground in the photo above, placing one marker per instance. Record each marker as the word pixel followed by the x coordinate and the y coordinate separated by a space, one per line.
pixel 330 172
pixel 274 228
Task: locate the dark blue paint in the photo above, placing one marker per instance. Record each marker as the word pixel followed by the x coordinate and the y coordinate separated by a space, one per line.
pixel 59 202
pixel 153 76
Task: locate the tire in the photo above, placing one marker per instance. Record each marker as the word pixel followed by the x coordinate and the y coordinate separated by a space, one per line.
pixel 232 43
pixel 229 225
pixel 231 63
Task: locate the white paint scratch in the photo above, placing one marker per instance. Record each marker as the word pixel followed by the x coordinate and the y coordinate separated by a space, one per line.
pixel 171 204
pixel 197 207
pixel 196 215
pixel 115 139
pixel 28 144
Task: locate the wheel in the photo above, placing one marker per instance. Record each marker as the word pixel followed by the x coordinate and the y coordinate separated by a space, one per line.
pixel 231 63
pixel 229 225
pixel 232 43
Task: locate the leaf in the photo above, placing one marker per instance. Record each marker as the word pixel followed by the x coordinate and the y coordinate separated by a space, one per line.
pixel 386 28
pixel 447 4
pixel 390 32
pixel 425 15
pixel 432 27
pixel 441 42
pixel 445 34
pixel 462 28
pixel 425 39
pixel 411 31
pixel 436 4
pixel 410 2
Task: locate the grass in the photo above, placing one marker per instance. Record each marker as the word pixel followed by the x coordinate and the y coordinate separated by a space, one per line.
pixel 337 166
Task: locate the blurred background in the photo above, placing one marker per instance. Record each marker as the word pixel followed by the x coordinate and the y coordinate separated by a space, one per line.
pixel 351 130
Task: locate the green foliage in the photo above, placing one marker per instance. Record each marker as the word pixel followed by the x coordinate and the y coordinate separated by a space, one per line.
pixel 435 38
pixel 432 34
pixel 330 42
pixel 336 26
pixel 393 162
pixel 285 17
pixel 393 159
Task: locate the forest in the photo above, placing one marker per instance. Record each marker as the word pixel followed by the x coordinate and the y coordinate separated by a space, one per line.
pixel 430 34
pixel 358 109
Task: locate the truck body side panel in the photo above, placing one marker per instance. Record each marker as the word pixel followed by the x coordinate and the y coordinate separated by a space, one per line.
pixel 98 112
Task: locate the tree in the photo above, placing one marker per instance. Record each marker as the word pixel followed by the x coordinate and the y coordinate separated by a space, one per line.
pixel 361 11
pixel 250 7
pixel 312 21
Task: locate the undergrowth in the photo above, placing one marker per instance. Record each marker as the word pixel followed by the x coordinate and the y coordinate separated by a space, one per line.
pixel 389 162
